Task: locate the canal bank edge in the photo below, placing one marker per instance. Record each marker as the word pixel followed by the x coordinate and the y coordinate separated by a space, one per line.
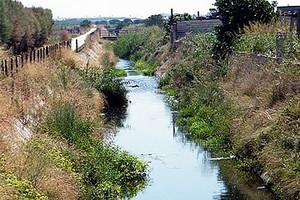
pixel 259 96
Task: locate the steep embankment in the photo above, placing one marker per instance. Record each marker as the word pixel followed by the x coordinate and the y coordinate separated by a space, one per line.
pixel 252 111
pixel 51 131
pixel 247 106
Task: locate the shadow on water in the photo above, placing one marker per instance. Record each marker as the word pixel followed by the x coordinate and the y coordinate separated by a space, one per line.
pixel 115 115
pixel 180 168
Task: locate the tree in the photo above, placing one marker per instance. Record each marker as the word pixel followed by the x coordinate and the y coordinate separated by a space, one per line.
pixel 182 17
pixel 138 21
pixel 64 35
pixel 45 23
pixel 101 22
pixel 235 15
pixel 155 20
pixel 86 23
pixel 114 21
pixel 23 28
pixel 5 28
pixel 127 21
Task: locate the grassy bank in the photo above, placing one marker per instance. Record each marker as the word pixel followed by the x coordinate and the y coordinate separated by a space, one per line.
pixel 245 106
pixel 52 130
pixel 144 48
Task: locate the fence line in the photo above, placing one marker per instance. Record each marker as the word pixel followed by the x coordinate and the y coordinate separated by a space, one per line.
pixel 11 65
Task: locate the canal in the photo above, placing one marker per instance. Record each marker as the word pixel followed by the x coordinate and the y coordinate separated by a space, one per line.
pixel 179 168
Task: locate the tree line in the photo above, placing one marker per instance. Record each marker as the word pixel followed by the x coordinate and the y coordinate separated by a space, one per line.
pixel 21 28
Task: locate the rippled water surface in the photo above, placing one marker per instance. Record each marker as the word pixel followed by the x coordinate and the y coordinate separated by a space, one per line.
pixel 179 168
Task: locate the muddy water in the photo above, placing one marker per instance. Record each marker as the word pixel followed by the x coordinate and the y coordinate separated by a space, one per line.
pixel 179 168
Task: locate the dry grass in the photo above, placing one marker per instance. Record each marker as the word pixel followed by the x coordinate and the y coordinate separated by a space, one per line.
pixel 56 184
pixel 277 26
pixel 263 133
pixel 25 100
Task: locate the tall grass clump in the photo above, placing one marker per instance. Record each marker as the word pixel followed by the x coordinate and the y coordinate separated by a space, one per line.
pixel 12 187
pixel 108 81
pixel 106 171
pixel 143 47
pixel 204 111
pixel 261 39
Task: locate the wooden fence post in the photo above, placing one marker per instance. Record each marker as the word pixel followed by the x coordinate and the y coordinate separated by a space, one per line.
pixel 30 57
pixel 5 68
pixel 2 66
pixel 38 56
pixel 34 55
pixel 45 54
pixel 26 57
pixel 298 23
pixel 77 46
pixel 17 63
pixel 22 60
pixel 11 66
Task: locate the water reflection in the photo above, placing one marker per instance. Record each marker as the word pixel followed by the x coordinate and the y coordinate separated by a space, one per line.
pixel 180 168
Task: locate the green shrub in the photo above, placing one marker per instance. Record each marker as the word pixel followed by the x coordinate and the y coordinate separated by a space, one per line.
pixel 107 172
pixel 264 43
pixel 143 45
pixel 65 123
pixel 205 114
pixel 144 68
pixel 203 111
pixel 11 187
pixel 109 83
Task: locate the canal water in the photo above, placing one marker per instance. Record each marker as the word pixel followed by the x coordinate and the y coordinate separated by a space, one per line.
pixel 179 168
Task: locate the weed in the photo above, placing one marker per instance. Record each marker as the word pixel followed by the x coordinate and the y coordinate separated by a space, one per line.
pixel 12 187
pixel 108 83
pixel 144 68
pixel 107 172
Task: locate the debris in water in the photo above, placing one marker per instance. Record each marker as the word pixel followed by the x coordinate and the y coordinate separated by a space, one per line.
pixel 222 158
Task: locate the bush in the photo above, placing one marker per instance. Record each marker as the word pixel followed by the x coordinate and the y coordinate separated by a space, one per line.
pixel 11 187
pixel 261 39
pixel 205 114
pixel 145 68
pixel 143 45
pixel 109 83
pixel 106 171
pixel 65 123
pixel 203 111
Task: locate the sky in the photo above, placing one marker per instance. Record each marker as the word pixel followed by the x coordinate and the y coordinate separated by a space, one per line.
pixel 127 8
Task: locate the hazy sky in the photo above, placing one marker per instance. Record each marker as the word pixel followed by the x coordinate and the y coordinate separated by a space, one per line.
pixel 127 8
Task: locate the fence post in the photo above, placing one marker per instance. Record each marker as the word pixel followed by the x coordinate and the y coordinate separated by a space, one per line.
pixel 34 55
pixel 44 52
pixel 5 68
pixel 279 46
pixel 69 43
pixel 77 46
pixel 298 23
pixel 11 66
pixel 2 66
pixel 17 63
pixel 38 56
pixel 22 60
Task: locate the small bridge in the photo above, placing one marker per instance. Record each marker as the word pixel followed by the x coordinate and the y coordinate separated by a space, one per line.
pixel 113 34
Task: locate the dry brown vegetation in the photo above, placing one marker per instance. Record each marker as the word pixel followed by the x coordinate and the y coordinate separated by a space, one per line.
pixel 26 98
pixel 265 130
